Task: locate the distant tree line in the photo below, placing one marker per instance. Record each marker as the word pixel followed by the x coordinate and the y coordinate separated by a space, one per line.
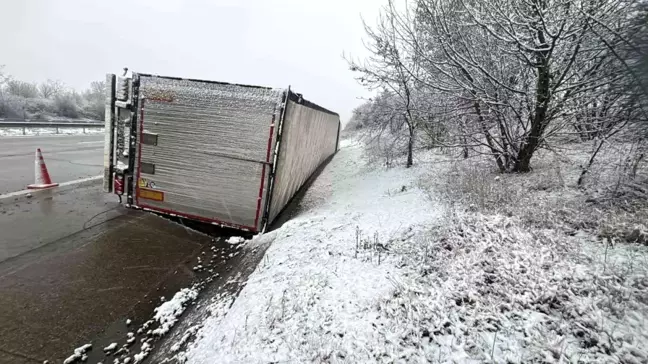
pixel 49 99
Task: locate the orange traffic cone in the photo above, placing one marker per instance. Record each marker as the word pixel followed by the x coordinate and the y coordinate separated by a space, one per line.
pixel 43 179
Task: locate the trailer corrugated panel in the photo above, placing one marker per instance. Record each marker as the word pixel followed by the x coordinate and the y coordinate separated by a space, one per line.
pixel 204 149
pixel 309 136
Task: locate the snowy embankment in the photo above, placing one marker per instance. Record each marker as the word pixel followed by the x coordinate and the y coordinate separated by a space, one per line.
pixel 376 271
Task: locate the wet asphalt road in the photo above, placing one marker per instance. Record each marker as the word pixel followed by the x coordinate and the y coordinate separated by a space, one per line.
pixel 68 157
pixel 74 265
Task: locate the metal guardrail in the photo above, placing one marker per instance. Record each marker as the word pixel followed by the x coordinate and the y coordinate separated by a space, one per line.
pixel 51 124
pixel 24 125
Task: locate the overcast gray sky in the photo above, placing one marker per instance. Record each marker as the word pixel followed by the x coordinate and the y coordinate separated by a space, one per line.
pixel 264 42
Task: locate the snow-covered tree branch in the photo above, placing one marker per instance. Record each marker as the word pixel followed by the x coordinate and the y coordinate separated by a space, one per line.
pixel 510 76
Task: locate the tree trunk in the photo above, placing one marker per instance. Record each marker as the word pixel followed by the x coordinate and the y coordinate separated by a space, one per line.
pixel 539 122
pixel 543 97
pixel 489 139
pixel 410 145
pixel 589 163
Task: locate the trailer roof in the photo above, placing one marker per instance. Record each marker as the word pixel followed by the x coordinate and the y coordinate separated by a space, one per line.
pixel 296 97
pixel 206 81
pixel 299 98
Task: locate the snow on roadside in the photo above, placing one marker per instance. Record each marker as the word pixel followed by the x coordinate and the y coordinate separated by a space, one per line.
pixel 374 271
pixel 165 317
pixel 12 132
pixel 315 291
pixel 234 240
pixel 167 313
pixel 79 353
pixel 110 347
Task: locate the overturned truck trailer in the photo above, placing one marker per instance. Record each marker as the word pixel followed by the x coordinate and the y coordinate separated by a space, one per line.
pixel 226 154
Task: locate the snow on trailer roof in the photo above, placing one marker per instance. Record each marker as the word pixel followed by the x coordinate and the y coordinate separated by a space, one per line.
pixel 199 80
pixel 296 97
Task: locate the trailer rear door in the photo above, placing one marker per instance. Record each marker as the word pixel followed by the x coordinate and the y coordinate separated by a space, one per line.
pixel 203 149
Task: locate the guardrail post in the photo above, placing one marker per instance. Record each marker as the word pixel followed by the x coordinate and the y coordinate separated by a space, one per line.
pixel 84 130
pixel 24 133
pixel 57 130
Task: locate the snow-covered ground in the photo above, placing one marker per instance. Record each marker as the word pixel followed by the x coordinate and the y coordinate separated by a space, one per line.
pixel 48 131
pixel 378 269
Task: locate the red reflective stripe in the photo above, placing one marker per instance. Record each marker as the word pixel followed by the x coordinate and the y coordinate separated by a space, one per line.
pixel 199 218
pixel 258 209
pixel 139 154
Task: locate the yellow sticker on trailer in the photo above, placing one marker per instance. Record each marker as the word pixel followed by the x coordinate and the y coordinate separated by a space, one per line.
pixel 151 194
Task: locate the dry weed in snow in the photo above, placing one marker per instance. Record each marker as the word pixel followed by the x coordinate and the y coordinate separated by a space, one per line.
pixel 484 289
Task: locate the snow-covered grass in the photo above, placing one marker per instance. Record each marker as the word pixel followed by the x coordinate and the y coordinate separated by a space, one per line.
pixel 422 265
pixel 485 288
pixel 606 205
pixel 559 270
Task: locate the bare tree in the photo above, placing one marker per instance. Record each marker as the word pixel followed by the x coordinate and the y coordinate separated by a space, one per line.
pixel 21 88
pixel 93 99
pixel 3 81
pixel 3 78
pixel 51 88
pixel 390 68
pixel 504 77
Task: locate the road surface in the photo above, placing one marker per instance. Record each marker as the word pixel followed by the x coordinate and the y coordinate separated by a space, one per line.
pixel 68 157
pixel 75 265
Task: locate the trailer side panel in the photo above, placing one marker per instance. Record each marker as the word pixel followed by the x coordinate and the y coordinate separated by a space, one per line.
pixel 309 137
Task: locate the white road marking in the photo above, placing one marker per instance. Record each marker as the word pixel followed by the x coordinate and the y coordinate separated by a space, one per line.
pixel 69 183
pixel 81 180
pixel 92 142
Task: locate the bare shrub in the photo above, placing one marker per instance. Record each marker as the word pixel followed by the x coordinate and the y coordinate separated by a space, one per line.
pixel 66 106
pixel 39 108
pixel 613 203
pixel 93 97
pixel 25 100
pixel 470 184
pixel 22 89
pixel 384 149
pixel 472 76
pixel 94 110
pixel 12 106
